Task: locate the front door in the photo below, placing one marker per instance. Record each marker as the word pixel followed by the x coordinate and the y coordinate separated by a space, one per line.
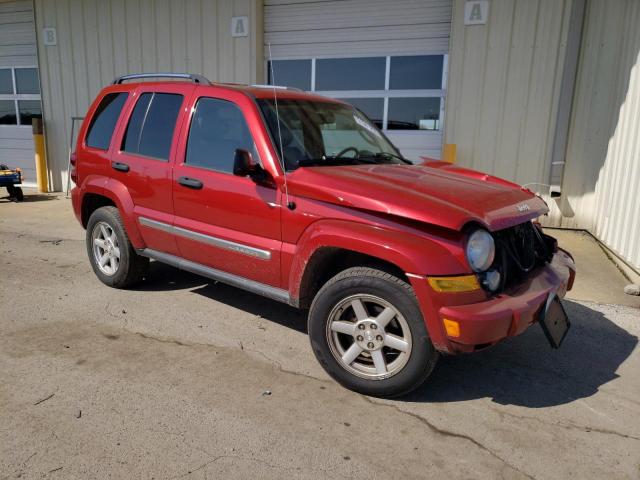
pixel 224 221
pixel 142 160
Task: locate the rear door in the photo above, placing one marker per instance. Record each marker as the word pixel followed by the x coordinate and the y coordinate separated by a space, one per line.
pixel 143 161
pixel 224 221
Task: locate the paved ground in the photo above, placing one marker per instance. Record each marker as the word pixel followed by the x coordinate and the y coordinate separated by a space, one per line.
pixel 167 381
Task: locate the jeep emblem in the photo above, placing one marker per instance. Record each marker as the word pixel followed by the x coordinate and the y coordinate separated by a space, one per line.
pixel 523 207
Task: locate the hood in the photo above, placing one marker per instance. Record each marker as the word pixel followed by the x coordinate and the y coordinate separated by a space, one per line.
pixel 438 195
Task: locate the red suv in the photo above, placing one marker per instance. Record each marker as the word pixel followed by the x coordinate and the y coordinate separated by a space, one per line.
pixel 302 199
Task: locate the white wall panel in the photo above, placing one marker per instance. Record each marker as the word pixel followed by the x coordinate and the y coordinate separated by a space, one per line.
pixel 17 34
pixel 101 39
pixel 504 84
pixel 305 28
pixel 601 187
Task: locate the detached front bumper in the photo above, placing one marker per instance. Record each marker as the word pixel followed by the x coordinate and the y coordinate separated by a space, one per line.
pixel 483 323
pixel 510 313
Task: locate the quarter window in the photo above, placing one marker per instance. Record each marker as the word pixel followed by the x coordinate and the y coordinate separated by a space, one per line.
pixel 217 129
pixel 151 126
pixel 105 119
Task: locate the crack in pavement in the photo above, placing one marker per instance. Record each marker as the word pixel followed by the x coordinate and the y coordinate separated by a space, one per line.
pixel 432 427
pixel 567 426
pixel 449 433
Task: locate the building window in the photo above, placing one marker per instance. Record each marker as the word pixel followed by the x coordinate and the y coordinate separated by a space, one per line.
pixel 19 96
pixel 397 92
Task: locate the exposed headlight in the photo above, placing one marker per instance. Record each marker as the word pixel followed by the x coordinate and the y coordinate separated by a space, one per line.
pixel 481 250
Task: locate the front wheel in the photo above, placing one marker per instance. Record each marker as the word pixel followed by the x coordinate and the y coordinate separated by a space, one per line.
pixel 368 333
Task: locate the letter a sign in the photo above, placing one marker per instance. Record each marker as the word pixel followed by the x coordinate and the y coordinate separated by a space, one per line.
pixel 239 26
pixel 476 12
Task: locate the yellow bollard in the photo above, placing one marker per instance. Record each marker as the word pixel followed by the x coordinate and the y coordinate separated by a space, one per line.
pixel 40 155
pixel 449 152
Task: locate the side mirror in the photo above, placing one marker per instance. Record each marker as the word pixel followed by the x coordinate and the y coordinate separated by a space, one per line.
pixel 243 164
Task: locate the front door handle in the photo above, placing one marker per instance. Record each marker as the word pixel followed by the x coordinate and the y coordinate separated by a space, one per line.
pixel 190 182
pixel 123 167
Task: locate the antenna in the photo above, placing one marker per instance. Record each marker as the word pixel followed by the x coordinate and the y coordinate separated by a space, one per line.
pixel 290 205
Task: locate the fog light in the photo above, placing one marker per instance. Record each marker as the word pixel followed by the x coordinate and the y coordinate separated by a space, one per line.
pixel 491 280
pixel 451 327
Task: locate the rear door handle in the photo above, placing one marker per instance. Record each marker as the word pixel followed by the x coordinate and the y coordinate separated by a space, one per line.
pixel 190 182
pixel 123 167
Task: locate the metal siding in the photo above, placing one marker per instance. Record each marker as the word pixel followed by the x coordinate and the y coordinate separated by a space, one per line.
pixel 17 151
pixel 17 49
pixel 301 28
pixel 98 40
pixel 17 34
pixel 504 86
pixel 602 175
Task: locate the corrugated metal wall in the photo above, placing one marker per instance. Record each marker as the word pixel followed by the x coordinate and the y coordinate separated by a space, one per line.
pixel 504 84
pixel 17 49
pixel 601 187
pixel 100 39
pixel 17 34
pixel 303 28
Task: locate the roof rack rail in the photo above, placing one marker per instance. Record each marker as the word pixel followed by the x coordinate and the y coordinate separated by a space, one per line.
pixel 279 87
pixel 195 78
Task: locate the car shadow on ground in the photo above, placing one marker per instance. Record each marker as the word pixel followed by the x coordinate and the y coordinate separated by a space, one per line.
pixel 163 277
pixel 527 372
pixel 28 197
pixel 522 371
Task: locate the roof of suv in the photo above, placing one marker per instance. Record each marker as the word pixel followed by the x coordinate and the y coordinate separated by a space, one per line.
pixel 255 91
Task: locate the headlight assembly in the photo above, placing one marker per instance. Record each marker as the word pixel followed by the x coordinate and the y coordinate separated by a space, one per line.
pixel 480 250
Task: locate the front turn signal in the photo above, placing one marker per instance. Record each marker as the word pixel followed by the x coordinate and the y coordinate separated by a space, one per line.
pixel 451 327
pixel 462 283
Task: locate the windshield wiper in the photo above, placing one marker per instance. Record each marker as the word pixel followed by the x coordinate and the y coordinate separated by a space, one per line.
pixel 392 155
pixel 334 160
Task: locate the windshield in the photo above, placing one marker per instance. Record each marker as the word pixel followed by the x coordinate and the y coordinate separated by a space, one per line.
pixel 324 133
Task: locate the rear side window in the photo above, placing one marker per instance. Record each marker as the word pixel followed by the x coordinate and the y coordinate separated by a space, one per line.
pixel 105 119
pixel 217 129
pixel 151 126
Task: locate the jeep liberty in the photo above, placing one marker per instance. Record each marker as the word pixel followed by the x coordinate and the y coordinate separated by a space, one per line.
pixel 302 199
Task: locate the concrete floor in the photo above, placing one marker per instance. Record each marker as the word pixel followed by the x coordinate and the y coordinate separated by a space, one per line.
pixel 167 381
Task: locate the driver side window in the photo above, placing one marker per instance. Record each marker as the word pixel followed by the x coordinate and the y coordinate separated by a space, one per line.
pixel 217 129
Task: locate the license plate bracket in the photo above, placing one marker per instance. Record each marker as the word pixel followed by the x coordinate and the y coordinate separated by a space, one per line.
pixel 555 323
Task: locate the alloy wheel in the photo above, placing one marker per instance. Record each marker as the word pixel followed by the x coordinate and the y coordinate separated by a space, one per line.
pixel 369 337
pixel 106 251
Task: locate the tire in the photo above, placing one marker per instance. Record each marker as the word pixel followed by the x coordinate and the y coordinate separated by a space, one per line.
pixel 339 329
pixel 124 266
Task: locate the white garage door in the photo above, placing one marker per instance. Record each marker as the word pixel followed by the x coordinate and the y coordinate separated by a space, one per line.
pixel 388 58
pixel 19 86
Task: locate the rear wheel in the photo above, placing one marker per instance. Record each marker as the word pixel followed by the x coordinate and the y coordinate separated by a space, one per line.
pixel 368 333
pixel 113 258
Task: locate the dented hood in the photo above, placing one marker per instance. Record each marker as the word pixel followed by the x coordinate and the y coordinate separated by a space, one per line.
pixel 439 194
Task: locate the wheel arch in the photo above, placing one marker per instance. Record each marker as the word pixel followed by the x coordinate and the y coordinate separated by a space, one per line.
pixel 99 192
pixel 329 246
